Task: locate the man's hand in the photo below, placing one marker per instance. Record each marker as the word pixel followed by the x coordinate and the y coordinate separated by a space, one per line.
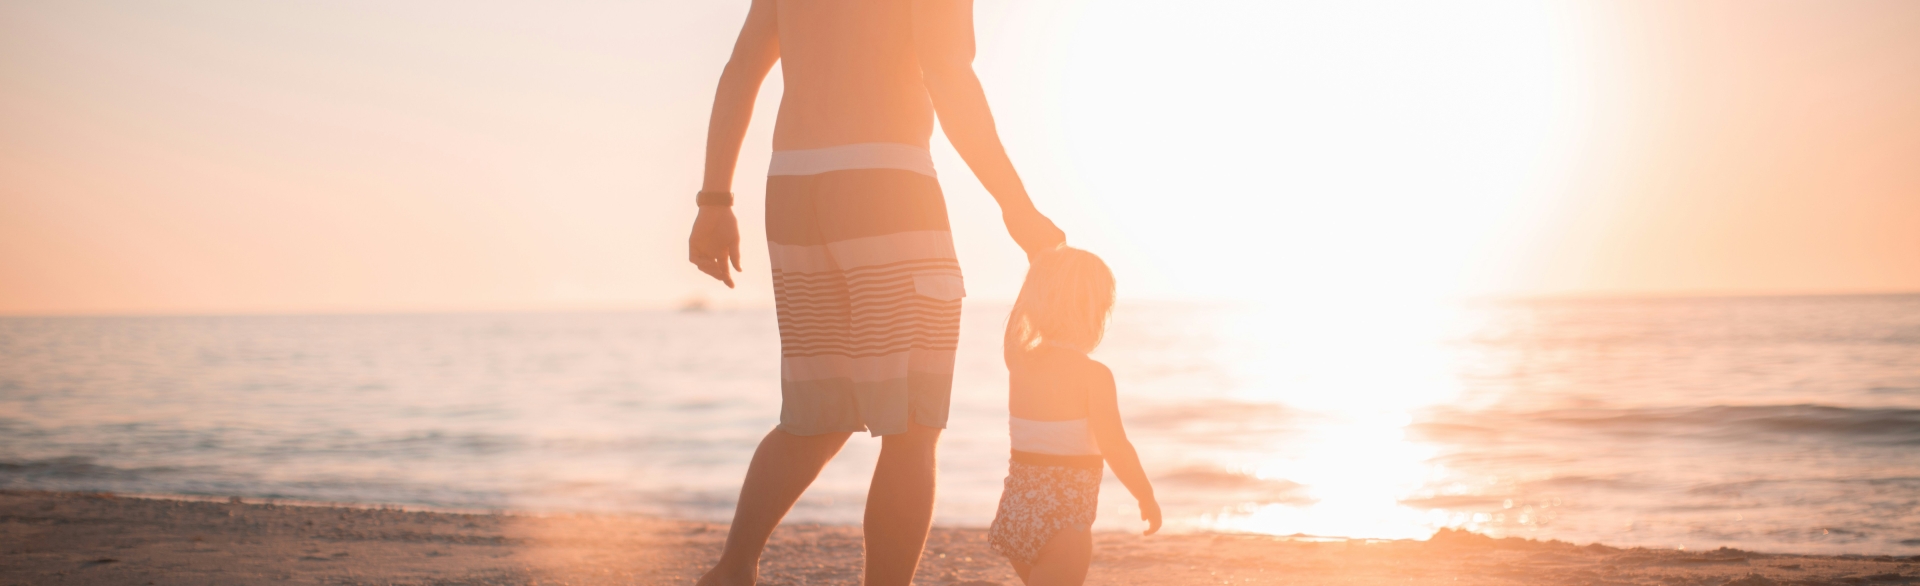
pixel 715 243
pixel 1033 231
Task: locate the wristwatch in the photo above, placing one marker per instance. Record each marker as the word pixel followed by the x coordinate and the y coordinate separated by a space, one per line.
pixel 714 198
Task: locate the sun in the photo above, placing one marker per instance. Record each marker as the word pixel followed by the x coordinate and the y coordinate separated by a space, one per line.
pixel 1250 150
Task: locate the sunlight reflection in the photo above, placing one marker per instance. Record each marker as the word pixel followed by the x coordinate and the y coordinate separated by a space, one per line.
pixel 1357 375
pixel 1355 471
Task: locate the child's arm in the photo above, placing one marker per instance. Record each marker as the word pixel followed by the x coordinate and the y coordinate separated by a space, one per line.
pixel 716 235
pixel 943 36
pixel 1103 414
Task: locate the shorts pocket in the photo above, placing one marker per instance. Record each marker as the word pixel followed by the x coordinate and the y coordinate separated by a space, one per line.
pixel 939 286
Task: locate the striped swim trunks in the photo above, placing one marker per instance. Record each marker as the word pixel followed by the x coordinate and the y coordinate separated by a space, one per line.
pixel 867 287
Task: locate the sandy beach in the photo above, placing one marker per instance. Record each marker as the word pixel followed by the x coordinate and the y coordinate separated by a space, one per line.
pixel 78 538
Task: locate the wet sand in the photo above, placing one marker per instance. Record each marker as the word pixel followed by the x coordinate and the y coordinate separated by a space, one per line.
pixel 69 538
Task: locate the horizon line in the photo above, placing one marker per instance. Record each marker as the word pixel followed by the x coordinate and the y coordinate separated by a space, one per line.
pixel 1589 296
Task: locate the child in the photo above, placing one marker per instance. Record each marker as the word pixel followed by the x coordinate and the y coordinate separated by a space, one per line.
pixel 1065 424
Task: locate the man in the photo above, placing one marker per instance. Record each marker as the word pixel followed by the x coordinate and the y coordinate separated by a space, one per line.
pixel 865 279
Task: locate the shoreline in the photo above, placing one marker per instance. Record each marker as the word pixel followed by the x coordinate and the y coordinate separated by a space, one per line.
pixel 100 538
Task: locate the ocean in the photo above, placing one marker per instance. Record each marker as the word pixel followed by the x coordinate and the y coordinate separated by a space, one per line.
pixel 1784 424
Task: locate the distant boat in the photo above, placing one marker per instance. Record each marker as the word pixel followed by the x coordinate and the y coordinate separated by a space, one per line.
pixel 694 305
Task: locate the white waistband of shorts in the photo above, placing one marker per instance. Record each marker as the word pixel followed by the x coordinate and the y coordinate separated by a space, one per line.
pixel 866 155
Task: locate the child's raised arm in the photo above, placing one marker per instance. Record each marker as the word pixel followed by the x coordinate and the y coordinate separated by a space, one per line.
pixel 1103 414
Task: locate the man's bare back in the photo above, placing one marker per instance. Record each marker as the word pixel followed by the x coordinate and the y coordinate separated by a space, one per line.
pixel 852 75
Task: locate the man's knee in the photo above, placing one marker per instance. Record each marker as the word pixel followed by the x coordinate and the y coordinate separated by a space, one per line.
pixel 917 438
pixel 829 442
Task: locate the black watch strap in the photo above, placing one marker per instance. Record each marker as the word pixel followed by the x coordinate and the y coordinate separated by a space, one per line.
pixel 714 198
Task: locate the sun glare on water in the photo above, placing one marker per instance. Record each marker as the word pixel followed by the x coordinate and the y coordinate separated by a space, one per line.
pixel 1355 374
pixel 1358 472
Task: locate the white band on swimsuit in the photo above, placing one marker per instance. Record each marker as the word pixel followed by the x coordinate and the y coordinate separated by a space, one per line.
pixel 1071 437
pixel 866 155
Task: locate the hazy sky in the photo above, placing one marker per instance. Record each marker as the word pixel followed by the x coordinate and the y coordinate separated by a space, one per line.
pixel 243 156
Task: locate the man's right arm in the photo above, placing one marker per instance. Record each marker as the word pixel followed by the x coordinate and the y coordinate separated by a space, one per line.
pixel 943 37
pixel 715 242
pixel 754 54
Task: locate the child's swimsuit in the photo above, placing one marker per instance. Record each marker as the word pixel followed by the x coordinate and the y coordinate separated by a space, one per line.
pixel 867 288
pixel 1053 483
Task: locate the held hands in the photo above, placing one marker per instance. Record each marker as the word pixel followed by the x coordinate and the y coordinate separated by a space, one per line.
pixel 1150 512
pixel 715 242
pixel 1033 231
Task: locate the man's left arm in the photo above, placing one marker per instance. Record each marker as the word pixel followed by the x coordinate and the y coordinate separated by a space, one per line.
pixel 943 38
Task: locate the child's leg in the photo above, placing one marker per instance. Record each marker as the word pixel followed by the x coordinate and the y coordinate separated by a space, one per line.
pixel 1062 562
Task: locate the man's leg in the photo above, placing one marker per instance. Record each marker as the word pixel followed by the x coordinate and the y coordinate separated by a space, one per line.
pixel 900 505
pixel 782 468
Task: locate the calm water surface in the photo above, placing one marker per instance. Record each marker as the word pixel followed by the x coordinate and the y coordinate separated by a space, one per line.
pixel 1779 424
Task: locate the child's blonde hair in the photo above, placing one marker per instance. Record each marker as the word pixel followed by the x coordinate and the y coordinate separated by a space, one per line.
pixel 1065 301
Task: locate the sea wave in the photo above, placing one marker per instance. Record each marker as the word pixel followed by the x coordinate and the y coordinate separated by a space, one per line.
pixel 1876 425
pixel 72 468
pixel 1793 419
pixel 1244 486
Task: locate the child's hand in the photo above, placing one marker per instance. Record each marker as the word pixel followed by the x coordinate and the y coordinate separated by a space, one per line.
pixel 1150 512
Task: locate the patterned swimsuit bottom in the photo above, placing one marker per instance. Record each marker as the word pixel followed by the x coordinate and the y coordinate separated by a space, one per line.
pixel 1039 501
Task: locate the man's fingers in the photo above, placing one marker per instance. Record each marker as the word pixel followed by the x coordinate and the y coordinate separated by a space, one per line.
pixel 698 254
pixel 718 270
pixel 734 253
pixel 714 267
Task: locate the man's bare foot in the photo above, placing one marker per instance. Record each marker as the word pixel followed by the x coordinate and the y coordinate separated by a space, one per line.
pixel 722 575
